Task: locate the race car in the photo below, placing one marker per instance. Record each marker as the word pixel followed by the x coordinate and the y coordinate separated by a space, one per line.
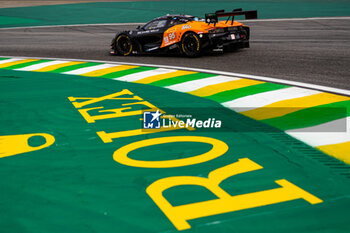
pixel 186 34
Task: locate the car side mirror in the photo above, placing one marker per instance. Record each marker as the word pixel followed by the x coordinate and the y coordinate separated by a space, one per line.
pixel 138 27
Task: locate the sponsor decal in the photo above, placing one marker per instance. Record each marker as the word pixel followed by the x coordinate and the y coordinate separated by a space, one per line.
pixel 170 38
pixel 148 31
pixel 151 49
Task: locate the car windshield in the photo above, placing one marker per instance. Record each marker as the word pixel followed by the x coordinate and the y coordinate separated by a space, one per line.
pixel 155 24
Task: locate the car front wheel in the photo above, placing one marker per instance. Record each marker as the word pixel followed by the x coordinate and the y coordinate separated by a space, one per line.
pixel 123 45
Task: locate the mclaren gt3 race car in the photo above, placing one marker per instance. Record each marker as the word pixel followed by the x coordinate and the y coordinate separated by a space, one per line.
pixel 186 34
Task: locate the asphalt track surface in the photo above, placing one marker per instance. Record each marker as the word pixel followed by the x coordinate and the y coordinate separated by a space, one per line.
pixel 311 51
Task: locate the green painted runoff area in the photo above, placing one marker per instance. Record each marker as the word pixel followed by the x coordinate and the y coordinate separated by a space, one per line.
pixel 75 185
pixel 143 11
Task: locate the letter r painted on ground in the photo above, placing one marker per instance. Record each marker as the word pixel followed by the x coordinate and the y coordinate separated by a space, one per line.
pixel 92 100
pixel 179 215
pixel 110 113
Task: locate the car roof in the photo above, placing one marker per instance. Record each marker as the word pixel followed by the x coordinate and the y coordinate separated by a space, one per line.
pixel 176 15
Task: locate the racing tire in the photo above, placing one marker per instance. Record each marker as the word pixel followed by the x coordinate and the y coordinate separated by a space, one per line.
pixel 123 45
pixel 191 45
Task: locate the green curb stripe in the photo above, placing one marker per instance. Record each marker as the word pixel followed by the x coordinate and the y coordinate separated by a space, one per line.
pixel 18 66
pixel 74 67
pixel 127 72
pixel 245 91
pixel 181 79
pixel 299 119
pixel 311 116
pixel 3 58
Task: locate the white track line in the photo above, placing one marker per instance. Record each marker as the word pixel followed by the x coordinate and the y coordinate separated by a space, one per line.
pixel 126 24
pixel 144 74
pixel 11 60
pixel 255 77
pixel 262 99
pixel 309 135
pixel 316 135
pixel 197 84
pixel 90 69
pixel 41 65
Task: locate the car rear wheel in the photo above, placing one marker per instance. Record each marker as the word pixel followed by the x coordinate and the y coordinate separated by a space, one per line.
pixel 191 45
pixel 123 45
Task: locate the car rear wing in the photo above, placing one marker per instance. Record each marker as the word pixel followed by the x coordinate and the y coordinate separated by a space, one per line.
pixel 213 17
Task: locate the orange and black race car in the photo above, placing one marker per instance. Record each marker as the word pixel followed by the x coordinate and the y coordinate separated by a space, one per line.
pixel 187 34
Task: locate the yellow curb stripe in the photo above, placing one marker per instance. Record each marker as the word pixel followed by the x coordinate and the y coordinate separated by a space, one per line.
pixel 105 71
pixel 54 67
pixel 159 77
pixel 217 88
pixel 284 107
pixel 7 64
pixel 339 151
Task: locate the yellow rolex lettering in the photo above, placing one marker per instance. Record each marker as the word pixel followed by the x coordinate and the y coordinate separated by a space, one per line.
pixel 145 103
pixel 218 149
pixel 108 137
pixel 92 100
pixel 179 215
pixel 137 112
pixel 113 113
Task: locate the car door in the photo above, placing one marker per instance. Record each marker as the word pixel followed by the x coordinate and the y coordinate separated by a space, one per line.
pixel 172 34
pixel 150 36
